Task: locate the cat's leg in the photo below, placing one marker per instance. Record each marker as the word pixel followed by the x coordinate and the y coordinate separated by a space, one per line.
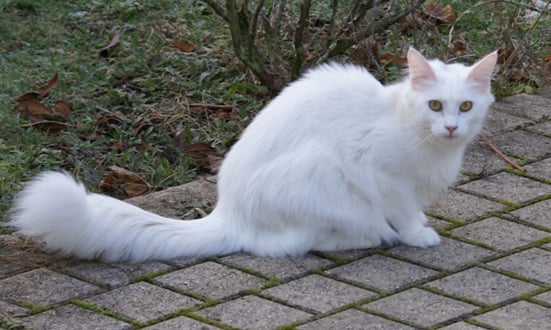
pixel 412 229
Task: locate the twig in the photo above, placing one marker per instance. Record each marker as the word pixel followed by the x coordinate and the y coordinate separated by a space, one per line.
pixel 501 154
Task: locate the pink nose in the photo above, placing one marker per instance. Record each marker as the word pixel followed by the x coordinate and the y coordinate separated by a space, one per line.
pixel 451 129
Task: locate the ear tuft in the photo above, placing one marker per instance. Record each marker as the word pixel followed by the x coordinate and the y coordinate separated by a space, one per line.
pixel 481 72
pixel 420 72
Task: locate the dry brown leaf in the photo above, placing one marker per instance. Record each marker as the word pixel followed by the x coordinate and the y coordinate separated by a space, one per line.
pixel 198 150
pixel 106 51
pixel 62 109
pixel 226 115
pixel 184 45
pixel 135 189
pixel 460 46
pixel 444 14
pixel 30 96
pixel 49 86
pixel 132 184
pixel 32 109
pixel 139 127
pixel 389 58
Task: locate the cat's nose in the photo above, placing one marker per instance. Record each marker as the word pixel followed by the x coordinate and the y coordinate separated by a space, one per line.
pixel 451 129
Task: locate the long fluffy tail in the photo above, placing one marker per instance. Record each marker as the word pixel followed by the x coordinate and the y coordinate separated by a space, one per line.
pixel 57 210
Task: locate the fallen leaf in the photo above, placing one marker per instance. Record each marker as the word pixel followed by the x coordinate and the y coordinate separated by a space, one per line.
pixel 389 58
pixel 444 14
pixel 49 86
pixel 135 189
pixel 184 45
pixel 106 51
pixel 32 109
pixel 132 184
pixel 226 115
pixel 62 109
pixel 139 127
pixel 30 96
pixel 204 154
pixel 198 150
pixel 460 46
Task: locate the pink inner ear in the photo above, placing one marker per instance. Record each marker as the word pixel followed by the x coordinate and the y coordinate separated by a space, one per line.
pixel 420 71
pixel 481 71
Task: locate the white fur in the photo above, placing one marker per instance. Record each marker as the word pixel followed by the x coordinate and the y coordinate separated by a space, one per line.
pixel 336 161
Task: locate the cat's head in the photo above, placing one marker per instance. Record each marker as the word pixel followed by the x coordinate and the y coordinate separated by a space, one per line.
pixel 449 101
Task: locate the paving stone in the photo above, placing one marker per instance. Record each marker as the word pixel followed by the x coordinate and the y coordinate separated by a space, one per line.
pixel 481 160
pixel 499 233
pixel 8 268
pixel 181 323
pixel 421 307
pixel 464 207
pixel 186 261
pixel 528 106
pixel 448 255
pixel 533 263
pixel 353 319
pixel 520 315
pixel 143 301
pixel 111 275
pixel 347 254
pixel 318 293
pixel 251 312
pixel 211 280
pixel 381 272
pixel 541 169
pixel 509 187
pixel 281 268
pixel 437 223
pixel 523 144
pixel 542 128
pixel 482 286
pixel 500 122
pixel 19 255
pixel 461 326
pixel 545 297
pixel 47 287
pixel 73 317
pixel 537 214
pixel 10 309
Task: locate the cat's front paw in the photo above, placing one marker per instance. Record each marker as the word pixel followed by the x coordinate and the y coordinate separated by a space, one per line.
pixel 422 237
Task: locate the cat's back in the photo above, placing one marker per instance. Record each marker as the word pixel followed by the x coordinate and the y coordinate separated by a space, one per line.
pixel 336 80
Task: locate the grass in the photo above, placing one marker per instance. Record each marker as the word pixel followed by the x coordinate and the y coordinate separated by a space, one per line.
pixel 140 107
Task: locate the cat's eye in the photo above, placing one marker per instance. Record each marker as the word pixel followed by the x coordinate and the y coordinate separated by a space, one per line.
pixel 466 106
pixel 435 105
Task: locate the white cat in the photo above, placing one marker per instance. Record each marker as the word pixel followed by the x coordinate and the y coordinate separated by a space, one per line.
pixel 336 161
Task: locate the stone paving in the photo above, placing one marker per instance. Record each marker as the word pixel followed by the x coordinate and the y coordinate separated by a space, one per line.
pixel 491 271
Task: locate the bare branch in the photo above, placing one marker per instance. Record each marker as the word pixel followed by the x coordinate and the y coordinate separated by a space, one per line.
pixel 217 9
pixel 298 40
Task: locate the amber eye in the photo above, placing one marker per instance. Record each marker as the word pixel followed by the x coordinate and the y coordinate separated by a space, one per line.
pixel 435 105
pixel 466 106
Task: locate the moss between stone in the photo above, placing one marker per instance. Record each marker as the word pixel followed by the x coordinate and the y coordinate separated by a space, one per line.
pixel 103 311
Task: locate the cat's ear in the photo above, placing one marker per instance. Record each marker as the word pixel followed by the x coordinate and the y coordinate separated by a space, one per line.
pixel 481 72
pixel 420 72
